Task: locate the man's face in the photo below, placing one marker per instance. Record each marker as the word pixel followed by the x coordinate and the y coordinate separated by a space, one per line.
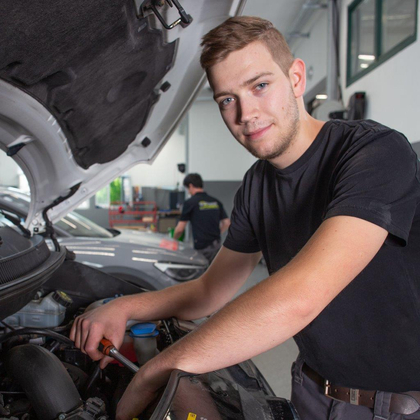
pixel 256 101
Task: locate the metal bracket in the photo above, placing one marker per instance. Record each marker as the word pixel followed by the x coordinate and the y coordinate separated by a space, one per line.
pixel 184 20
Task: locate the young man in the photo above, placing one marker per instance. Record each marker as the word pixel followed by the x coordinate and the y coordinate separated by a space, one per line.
pixel 207 216
pixel 334 209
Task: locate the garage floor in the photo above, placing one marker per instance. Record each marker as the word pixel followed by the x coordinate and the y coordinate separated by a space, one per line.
pixel 274 364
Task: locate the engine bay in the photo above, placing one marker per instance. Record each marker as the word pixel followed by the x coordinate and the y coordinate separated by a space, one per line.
pixel 43 376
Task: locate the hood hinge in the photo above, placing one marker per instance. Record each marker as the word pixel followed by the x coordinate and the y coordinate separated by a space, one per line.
pixel 184 20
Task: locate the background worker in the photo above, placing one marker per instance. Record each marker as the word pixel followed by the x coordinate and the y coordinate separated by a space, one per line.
pixel 334 208
pixel 207 216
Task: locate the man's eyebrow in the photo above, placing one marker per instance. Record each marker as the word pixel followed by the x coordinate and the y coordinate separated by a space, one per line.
pixel 246 83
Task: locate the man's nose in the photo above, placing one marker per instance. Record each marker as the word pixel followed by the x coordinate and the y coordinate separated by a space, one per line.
pixel 248 110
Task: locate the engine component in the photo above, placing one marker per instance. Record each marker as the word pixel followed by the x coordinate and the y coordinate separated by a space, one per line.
pixel 94 409
pixel 144 338
pixel 44 312
pixel 44 379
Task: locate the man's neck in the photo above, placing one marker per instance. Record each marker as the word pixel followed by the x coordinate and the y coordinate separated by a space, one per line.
pixel 309 128
pixel 194 191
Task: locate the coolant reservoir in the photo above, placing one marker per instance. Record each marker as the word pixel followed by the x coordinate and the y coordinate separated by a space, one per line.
pixel 144 340
pixel 46 312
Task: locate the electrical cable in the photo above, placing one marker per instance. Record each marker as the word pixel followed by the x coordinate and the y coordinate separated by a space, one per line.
pixel 8 326
pixel 37 331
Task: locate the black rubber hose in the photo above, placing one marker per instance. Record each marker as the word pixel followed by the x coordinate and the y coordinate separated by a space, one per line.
pixel 43 332
pixel 44 379
pixel 91 381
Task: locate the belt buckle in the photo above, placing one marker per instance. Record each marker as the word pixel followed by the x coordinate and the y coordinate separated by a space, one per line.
pixel 354 396
pixel 327 390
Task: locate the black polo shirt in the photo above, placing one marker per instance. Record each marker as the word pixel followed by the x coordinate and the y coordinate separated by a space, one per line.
pixel 204 212
pixel 368 337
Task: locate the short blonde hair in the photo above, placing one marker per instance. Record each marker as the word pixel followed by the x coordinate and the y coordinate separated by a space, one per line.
pixel 236 33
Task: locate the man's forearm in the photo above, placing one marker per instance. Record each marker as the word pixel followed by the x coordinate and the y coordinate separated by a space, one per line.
pixel 185 301
pixel 224 225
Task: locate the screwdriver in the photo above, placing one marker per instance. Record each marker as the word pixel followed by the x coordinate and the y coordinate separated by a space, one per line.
pixel 107 348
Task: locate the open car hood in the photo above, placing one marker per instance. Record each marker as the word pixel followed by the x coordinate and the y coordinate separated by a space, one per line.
pixel 89 89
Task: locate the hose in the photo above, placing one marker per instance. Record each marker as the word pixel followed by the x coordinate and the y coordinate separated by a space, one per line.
pixel 42 332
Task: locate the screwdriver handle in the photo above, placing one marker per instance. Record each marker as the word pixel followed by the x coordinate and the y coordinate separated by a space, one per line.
pixel 105 346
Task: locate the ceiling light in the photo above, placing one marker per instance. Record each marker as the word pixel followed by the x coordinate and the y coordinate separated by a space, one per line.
pixel 366 57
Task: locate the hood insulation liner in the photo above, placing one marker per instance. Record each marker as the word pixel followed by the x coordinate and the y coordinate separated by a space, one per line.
pixel 94 65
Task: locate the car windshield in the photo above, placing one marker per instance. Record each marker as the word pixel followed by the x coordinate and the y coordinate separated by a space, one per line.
pixel 74 224
pixel 77 225
pixel 15 201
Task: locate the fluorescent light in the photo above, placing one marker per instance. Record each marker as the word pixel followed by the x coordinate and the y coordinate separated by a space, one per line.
pixel 364 65
pixel 321 96
pixel 366 57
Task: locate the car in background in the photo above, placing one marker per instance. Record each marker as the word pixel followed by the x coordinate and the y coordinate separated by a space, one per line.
pixel 148 259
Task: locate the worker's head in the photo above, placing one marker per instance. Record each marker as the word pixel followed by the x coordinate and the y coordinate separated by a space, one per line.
pixel 256 83
pixel 236 33
pixel 193 183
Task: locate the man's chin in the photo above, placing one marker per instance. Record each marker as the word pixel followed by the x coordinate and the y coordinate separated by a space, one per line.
pixel 264 155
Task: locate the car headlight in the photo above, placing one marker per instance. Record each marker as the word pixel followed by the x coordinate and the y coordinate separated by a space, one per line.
pixel 180 272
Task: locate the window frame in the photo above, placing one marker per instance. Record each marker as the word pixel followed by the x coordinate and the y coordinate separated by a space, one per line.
pixel 381 57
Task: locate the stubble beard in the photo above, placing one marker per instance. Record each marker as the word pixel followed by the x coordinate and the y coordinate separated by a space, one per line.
pixel 286 139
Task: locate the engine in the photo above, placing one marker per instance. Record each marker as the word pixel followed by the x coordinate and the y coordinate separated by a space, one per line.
pixel 44 377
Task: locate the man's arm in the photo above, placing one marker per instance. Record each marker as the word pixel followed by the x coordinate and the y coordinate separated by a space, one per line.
pixel 179 229
pixel 190 300
pixel 287 301
pixel 224 225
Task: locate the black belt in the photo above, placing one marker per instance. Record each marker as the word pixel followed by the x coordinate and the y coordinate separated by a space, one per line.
pixel 401 403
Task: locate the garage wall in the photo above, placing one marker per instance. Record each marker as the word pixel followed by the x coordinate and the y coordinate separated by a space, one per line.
pixel 212 151
pixel 392 88
pixel 313 50
pixel 163 172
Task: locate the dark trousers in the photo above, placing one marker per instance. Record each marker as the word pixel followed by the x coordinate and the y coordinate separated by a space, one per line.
pixel 311 403
pixel 210 251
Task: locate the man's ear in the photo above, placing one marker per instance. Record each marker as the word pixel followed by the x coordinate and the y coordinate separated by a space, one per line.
pixel 297 76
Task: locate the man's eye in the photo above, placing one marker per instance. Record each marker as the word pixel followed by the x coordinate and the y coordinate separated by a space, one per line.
pixel 226 101
pixel 261 86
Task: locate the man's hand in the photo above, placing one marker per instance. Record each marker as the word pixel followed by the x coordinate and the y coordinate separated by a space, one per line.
pixel 107 321
pixel 179 229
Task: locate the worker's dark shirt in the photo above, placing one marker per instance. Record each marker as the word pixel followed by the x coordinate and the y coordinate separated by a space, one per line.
pixel 204 212
pixel 369 335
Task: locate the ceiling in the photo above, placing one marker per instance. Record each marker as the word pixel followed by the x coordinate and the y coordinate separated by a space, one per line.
pixel 281 12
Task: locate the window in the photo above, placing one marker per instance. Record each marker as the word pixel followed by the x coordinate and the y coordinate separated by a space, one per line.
pixel 119 190
pixel 377 30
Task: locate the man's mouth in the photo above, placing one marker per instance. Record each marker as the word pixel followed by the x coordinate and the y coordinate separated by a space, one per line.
pixel 257 134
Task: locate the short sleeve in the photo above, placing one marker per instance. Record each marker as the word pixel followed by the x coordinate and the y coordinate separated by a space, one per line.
pixel 187 209
pixel 241 236
pixel 377 180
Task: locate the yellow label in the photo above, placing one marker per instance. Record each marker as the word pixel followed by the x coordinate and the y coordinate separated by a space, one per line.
pixel 191 416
